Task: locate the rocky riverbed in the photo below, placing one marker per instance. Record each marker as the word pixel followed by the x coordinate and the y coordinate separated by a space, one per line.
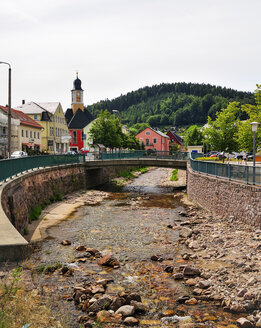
pixel 147 257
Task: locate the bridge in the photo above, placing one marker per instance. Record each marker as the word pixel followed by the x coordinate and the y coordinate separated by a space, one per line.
pixel 13 167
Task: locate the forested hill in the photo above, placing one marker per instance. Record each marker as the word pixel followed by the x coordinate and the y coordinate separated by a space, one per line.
pixel 175 104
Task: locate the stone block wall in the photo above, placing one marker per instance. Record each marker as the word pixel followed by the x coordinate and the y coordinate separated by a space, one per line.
pixel 38 187
pixel 225 198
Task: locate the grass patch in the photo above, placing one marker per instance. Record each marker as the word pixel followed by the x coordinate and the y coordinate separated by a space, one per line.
pixel 174 176
pixel 35 213
pixel 26 231
pixel 49 268
pixel 128 175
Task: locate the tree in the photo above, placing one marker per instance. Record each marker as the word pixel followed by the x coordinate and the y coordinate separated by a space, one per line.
pixel 106 130
pixel 245 135
pixel 194 136
pixel 221 133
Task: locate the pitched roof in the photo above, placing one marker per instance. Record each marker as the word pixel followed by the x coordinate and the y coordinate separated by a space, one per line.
pixel 37 108
pixel 178 138
pixel 24 119
pixel 79 120
pixel 160 133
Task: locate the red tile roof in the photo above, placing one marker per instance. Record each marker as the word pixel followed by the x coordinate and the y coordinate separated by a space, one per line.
pixel 24 119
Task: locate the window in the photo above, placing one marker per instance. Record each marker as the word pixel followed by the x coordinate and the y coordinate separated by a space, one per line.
pixel 74 137
pixel 26 133
pixel 31 134
pixel 154 140
pixel 35 117
pixel 147 142
pixel 34 134
pixel 38 135
pixel 22 132
pixel 147 133
pixel 4 130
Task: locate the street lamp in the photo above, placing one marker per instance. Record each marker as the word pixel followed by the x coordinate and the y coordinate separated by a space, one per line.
pixel 254 130
pixel 9 108
pixel 116 111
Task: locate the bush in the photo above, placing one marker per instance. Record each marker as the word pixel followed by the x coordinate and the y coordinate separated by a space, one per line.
pixel 174 176
pixel 35 213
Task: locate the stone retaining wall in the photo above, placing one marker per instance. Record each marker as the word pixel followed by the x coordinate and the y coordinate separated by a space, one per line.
pixel 225 198
pixel 38 188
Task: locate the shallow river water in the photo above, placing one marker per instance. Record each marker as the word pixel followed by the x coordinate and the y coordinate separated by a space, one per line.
pixel 133 225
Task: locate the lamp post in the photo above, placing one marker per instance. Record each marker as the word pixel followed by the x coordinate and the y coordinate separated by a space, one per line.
pixel 9 108
pixel 254 130
pixel 116 111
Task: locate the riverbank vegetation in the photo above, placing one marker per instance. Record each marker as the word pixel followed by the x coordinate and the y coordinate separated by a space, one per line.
pixel 174 175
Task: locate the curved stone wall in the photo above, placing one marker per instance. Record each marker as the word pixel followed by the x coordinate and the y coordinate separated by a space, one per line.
pixel 26 192
pixel 225 198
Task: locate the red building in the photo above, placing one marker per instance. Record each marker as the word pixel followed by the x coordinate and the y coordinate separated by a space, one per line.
pixel 77 117
pixel 153 139
pixel 175 139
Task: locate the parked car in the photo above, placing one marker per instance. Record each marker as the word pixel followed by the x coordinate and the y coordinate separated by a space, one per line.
pixel 70 152
pixel 18 153
pixel 84 150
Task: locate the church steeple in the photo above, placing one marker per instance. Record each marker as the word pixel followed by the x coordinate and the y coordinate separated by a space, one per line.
pixel 77 95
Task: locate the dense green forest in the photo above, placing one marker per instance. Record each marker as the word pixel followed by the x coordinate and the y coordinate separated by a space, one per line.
pixel 172 104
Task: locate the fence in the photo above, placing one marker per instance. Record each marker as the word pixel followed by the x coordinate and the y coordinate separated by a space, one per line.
pixel 146 154
pixel 245 173
pixel 11 167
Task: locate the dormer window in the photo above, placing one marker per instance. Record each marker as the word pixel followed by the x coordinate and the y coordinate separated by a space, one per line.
pixel 147 133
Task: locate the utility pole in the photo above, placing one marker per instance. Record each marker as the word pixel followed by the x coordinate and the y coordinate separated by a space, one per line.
pixel 9 108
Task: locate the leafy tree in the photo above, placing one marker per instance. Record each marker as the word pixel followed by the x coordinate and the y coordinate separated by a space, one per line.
pixel 106 130
pixel 194 136
pixel 221 133
pixel 245 135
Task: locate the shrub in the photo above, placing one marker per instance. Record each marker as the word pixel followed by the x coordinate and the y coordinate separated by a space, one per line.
pixel 174 176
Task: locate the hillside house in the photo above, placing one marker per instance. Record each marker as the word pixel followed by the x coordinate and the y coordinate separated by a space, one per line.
pixel 153 139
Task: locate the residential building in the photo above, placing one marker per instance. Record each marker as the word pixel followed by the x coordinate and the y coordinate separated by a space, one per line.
pixel 154 139
pixel 29 131
pixel 50 115
pixel 77 117
pixel 15 122
pixel 175 139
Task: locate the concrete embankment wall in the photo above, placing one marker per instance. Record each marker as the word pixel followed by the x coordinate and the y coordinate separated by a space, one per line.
pixel 26 192
pixel 225 198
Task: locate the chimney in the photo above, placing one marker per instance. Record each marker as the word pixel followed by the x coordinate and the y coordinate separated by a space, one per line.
pixel 23 102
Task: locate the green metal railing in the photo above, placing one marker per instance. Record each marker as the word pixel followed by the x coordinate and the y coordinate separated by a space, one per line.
pixel 239 172
pixel 145 154
pixel 14 166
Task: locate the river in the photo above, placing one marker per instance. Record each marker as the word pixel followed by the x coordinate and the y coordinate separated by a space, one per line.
pixel 135 225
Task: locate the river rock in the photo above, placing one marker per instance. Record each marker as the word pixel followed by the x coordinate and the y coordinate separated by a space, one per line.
pixel 237 308
pixel 191 271
pixel 66 242
pixel 101 304
pixel 94 252
pixel 185 233
pixel 178 276
pixel 133 297
pixel 204 284
pixel 97 289
pixel 80 248
pixel 191 282
pixel 131 321
pixel 258 324
pixel 139 307
pixel 109 261
pixel 244 323
pixel 117 302
pixel 191 301
pixel 126 310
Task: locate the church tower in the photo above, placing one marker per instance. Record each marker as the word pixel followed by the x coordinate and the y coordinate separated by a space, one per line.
pixel 77 95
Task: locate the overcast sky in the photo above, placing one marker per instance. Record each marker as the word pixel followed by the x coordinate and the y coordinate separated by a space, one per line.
pixel 121 45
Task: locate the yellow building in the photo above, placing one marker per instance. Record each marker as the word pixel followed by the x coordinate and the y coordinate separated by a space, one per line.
pixel 50 115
